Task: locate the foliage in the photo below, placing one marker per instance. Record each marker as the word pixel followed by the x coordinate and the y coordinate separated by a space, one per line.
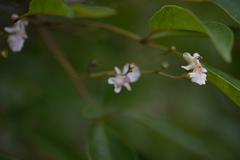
pixel 56 102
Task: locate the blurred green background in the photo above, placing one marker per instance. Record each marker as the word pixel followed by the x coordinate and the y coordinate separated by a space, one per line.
pixel 42 116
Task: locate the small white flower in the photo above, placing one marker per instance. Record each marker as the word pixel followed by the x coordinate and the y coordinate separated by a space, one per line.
pixel 123 80
pixel 198 71
pixel 18 34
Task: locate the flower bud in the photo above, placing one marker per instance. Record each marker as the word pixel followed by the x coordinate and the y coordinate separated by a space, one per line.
pixel 165 65
pixel 131 66
pixel 93 63
pixel 4 53
pixel 172 48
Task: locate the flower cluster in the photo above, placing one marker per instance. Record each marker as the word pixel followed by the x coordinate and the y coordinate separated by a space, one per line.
pixel 129 74
pixel 132 73
pixel 18 34
pixel 198 71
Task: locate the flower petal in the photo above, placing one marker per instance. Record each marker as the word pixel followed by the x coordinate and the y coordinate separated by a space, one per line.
pixel 189 67
pixel 25 23
pixel 135 74
pixel 198 78
pixel 199 81
pixel 127 85
pixel 196 55
pixel 117 70
pixel 11 29
pixel 15 43
pixel 187 57
pixel 14 15
pixel 117 88
pixel 204 70
pixel 111 80
pixel 125 68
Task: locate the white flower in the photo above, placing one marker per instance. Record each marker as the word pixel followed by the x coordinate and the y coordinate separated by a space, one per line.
pixel 198 71
pixel 18 34
pixel 123 80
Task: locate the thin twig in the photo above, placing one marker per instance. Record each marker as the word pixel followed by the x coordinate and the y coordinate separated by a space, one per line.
pixel 149 72
pixel 144 41
pixel 158 46
pixel 97 75
pixel 151 58
pixel 60 56
pixel 184 75
pixel 108 27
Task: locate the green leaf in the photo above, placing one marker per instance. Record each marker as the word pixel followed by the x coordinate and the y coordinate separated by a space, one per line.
pixel 59 7
pixel 176 18
pixel 155 136
pixel 222 37
pixel 172 17
pixel 92 11
pixel 165 128
pixel 227 84
pixel 105 145
pixel 232 7
pixel 54 7
pixel 176 33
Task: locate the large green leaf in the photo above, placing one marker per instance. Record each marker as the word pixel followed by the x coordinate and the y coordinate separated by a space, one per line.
pixel 232 7
pixel 165 128
pixel 103 144
pixel 176 33
pixel 59 7
pixel 55 7
pixel 154 137
pixel 227 84
pixel 176 18
pixel 222 37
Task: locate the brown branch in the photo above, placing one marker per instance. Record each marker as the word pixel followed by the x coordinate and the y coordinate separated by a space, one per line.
pixel 62 59
pixel 151 58
pixel 184 75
